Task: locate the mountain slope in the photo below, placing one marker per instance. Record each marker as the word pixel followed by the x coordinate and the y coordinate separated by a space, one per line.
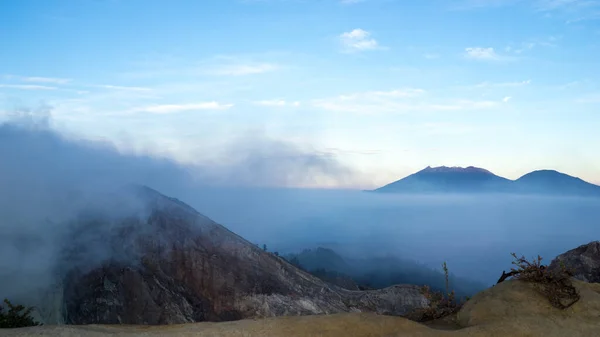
pixel 380 272
pixel 554 182
pixel 448 180
pixel 166 263
pixel 477 180
pixel 512 308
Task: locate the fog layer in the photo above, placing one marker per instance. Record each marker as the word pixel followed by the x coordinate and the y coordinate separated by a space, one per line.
pixel 46 180
pixel 474 234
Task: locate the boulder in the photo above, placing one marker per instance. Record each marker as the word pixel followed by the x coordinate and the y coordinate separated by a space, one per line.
pixel 583 261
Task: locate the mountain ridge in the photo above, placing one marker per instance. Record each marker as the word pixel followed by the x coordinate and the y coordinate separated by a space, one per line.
pixel 471 179
pixel 160 261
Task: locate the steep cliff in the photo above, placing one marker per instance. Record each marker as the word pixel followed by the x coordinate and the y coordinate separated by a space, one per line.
pixel 167 264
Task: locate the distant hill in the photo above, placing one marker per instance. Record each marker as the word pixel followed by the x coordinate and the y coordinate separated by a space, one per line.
pixel 554 182
pixel 449 180
pixel 478 180
pixel 377 272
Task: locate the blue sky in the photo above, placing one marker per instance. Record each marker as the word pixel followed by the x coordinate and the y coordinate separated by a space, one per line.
pixel 385 87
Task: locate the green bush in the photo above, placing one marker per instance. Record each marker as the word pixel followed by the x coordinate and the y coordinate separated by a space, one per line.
pixel 17 316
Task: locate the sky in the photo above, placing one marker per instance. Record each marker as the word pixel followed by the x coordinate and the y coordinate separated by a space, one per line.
pixel 382 87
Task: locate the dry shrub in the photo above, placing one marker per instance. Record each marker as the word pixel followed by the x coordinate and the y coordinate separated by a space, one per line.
pixel 555 285
pixel 440 304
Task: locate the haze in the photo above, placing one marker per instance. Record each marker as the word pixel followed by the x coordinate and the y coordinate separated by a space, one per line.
pixel 48 179
pixel 271 116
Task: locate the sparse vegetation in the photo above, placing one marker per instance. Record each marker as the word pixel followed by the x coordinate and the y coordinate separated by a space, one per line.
pixel 554 284
pixel 17 316
pixel 441 304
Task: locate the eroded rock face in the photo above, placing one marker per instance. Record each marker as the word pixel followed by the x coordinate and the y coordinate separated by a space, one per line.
pixel 584 261
pixel 174 265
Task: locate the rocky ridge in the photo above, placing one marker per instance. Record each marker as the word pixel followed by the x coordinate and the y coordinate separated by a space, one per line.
pixel 170 264
pixel 584 262
pixel 511 308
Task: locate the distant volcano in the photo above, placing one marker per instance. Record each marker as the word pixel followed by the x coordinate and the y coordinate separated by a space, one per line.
pixel 472 179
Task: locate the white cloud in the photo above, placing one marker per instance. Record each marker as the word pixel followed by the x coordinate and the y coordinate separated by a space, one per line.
pixel 590 98
pixel 502 84
pixel 358 40
pixel 27 87
pixel 277 103
pixel 350 2
pixel 550 5
pixel 547 42
pixel 431 56
pixel 36 79
pixel 397 101
pixel 479 53
pixel 124 88
pixel 445 129
pixel 477 4
pixel 46 80
pixel 244 69
pixel 174 108
pixel 506 99
pixel 571 10
pixel 398 93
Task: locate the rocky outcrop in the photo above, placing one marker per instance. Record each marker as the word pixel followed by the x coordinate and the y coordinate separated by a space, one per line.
pixel 169 264
pixel 583 261
pixel 511 308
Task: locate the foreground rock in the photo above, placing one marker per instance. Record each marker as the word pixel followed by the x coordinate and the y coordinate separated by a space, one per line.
pixel 170 265
pixel 512 308
pixel 583 261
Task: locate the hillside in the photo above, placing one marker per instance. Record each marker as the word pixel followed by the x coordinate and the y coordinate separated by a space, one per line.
pixel 378 272
pixel 512 308
pixel 477 180
pixel 165 263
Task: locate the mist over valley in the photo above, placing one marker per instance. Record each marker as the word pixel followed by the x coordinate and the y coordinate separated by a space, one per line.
pixel 56 187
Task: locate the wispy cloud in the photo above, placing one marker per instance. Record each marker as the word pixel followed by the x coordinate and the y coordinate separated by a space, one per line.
pixel 244 69
pixel 481 53
pixel 358 40
pixel 37 79
pixel 502 84
pixel 593 98
pixel 593 15
pixel 479 4
pixel 431 56
pixel 350 2
pixel 397 101
pixel 538 5
pixel 27 87
pixel 571 10
pixel 506 99
pixel 277 103
pixel 444 129
pixel 122 88
pixel 549 42
pixel 571 5
pixel 174 108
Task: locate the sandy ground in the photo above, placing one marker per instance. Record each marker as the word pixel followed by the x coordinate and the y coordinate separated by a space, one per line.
pixel 509 309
